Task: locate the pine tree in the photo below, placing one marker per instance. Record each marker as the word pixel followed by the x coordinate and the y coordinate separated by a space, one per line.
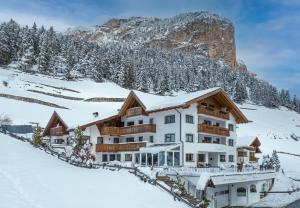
pixel 240 94
pixel 275 161
pixel 9 42
pixel 78 141
pixel 81 149
pixel 44 55
pixel 27 54
pixel 37 137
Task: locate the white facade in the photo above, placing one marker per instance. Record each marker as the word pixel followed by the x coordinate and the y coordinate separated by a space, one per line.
pixel 216 153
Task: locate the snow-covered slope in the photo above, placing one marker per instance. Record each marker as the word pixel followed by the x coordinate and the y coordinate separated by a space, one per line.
pixel 273 127
pixel 31 178
pixel 78 110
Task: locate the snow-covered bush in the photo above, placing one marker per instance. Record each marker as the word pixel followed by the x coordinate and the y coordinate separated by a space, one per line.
pixel 37 137
pixel 5 120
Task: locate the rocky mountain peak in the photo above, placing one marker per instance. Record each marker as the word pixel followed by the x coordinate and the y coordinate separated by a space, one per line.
pixel 202 33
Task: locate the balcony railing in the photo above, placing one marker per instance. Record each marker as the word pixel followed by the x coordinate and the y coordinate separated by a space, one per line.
pixel 252 159
pixel 122 147
pixel 117 131
pixel 213 112
pixel 213 130
pixel 134 111
pixel 57 131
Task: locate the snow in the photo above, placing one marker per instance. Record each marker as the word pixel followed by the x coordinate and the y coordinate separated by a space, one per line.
pixel 273 127
pixel 79 111
pixel 282 183
pixel 31 178
pixel 155 102
pixel 203 179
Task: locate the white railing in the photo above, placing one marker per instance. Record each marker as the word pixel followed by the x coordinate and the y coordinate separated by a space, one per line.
pixel 216 170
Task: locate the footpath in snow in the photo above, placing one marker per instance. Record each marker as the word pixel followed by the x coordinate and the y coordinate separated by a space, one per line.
pixel 31 178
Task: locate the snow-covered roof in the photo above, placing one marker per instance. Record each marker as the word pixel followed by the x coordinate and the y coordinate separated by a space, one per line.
pixel 203 180
pixel 244 141
pixel 155 102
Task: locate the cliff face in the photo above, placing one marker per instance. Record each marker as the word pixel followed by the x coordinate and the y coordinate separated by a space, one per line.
pixel 203 33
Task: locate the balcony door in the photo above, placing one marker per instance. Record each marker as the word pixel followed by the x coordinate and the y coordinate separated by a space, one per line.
pixel 200 160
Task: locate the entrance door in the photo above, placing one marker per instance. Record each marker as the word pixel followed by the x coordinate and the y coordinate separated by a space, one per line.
pixel 201 160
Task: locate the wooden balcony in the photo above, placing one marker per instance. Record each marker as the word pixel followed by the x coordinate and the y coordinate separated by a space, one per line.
pixel 136 111
pixel 117 131
pixel 122 147
pixel 57 131
pixel 213 130
pixel 252 159
pixel 213 112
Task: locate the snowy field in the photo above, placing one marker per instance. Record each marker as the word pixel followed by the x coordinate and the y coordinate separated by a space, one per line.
pixel 29 178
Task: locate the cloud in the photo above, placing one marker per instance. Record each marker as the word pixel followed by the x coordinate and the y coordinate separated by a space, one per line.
pixel 29 19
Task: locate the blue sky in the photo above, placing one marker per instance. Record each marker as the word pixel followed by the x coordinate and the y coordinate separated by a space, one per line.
pixel 267 31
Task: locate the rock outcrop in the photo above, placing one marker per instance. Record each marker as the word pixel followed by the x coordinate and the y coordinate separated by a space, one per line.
pixel 200 32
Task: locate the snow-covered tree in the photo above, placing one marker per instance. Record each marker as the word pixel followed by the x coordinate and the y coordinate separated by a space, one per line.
pixel 275 161
pixel 81 148
pixel 179 186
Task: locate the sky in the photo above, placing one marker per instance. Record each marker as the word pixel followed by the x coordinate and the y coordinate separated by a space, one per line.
pixel 267 31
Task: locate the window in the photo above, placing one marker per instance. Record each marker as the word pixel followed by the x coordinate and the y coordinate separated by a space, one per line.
pixel 189 157
pixel 129 139
pixel 217 124
pixel 219 193
pixel 169 137
pixel 216 141
pixel 140 139
pixel 242 154
pixel 253 188
pixel 230 142
pixel 130 123
pixel 151 139
pixel 104 158
pixel 189 119
pixel 128 157
pixel 230 127
pixel 141 122
pixel 207 140
pixel 169 119
pixel 151 120
pixel 99 140
pixel 118 157
pixel 58 141
pixel 222 158
pixel 241 191
pixel 207 122
pixel 189 138
pixel 112 157
pixel 116 140
pixel 231 158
